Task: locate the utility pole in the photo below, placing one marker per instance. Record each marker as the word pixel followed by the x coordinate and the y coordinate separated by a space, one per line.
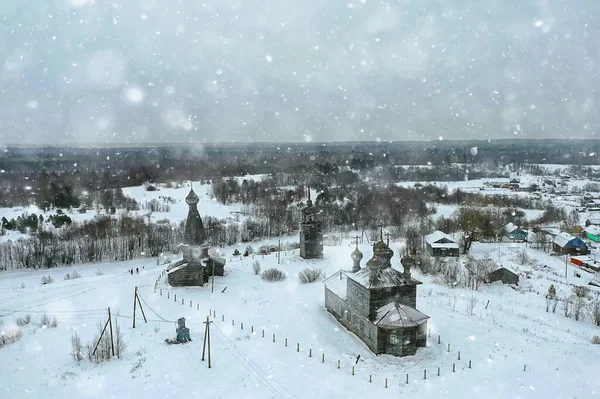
pixel 136 301
pixel 566 257
pixel 206 340
pixel 279 252
pixel 212 289
pixel 112 343
pixel 134 304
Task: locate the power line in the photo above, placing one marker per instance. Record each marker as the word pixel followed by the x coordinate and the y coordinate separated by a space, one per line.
pixel 153 311
pixel 156 321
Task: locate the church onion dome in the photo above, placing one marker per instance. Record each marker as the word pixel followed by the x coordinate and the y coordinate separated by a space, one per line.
pixel 192 198
pixel 381 249
pixel 356 255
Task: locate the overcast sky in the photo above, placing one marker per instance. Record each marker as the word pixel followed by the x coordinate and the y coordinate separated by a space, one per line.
pixel 100 71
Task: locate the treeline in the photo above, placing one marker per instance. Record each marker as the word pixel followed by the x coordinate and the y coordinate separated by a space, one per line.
pixel 102 238
pixel 58 177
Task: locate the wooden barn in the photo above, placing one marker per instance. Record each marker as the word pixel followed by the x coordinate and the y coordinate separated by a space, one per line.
pixel 439 243
pixel 505 275
pixel 565 243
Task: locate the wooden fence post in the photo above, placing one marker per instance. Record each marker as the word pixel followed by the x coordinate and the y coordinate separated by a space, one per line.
pixel 453 367
pixel 323 357
pixel 458 355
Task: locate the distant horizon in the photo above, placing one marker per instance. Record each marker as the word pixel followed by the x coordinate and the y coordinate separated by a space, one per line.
pixel 274 143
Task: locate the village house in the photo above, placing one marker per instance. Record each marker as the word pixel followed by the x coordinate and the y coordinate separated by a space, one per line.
pixel 565 243
pixel 591 196
pixel 592 232
pixel 378 303
pixel 594 218
pixel 197 265
pixel 439 243
pixel 514 232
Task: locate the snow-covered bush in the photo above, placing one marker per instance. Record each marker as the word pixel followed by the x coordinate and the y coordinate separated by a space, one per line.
pixel 99 272
pixel 47 321
pixel 104 350
pixel 273 275
pixel 308 275
pixel 72 276
pixel 76 347
pixel 580 291
pixel 24 320
pixel 596 340
pixel 47 280
pixel 256 267
pixel 44 320
pixel 9 335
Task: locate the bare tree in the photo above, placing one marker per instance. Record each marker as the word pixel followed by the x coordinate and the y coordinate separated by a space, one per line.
pixel 471 302
pixel 578 307
pixel 594 311
pixel 478 271
pixel 76 347
pixel 567 306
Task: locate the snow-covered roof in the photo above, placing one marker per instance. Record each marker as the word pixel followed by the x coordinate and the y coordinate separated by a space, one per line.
pixel 562 239
pixel 594 218
pixel 592 229
pixel 336 285
pixel 177 266
pixel 437 236
pixel 551 230
pixel 509 228
pixel 388 277
pixel 445 245
pixel 398 315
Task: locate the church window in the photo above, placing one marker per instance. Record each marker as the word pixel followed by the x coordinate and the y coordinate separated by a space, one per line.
pixel 394 339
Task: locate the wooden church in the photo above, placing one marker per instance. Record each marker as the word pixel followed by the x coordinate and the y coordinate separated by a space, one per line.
pixel 197 265
pixel 378 303
pixel 311 232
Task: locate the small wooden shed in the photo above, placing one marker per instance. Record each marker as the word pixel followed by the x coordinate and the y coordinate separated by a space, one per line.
pixel 505 275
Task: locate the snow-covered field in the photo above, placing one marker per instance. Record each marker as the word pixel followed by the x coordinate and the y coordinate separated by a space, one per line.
pixel 516 348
